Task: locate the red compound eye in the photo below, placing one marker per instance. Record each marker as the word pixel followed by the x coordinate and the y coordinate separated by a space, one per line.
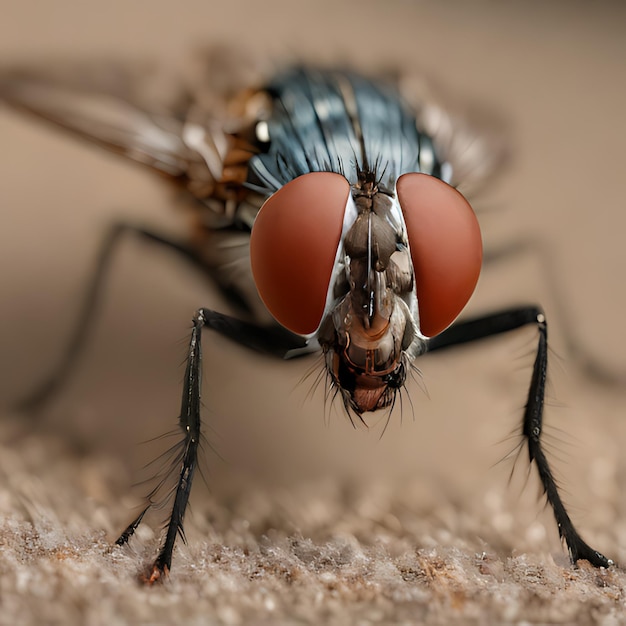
pixel 446 248
pixel 293 246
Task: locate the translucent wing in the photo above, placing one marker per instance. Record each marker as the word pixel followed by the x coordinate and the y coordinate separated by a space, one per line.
pixel 177 125
pixel 474 142
pixel 100 103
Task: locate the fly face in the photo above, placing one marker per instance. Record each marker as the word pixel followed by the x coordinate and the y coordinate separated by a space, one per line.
pixel 343 269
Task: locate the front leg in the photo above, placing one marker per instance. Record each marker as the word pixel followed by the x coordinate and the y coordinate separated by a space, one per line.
pixel 272 340
pixel 479 328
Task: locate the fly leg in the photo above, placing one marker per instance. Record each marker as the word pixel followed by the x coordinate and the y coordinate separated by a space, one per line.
pixel 46 390
pixel 268 340
pixel 530 247
pixel 494 324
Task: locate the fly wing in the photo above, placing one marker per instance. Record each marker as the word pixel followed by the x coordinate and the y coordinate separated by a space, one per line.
pixel 101 103
pixel 175 122
pixel 474 142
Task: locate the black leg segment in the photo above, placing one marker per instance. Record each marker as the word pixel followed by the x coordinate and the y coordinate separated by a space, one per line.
pixel 269 340
pixel 479 328
pixel 89 308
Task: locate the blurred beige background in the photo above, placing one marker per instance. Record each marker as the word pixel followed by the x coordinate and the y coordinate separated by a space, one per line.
pixel 554 70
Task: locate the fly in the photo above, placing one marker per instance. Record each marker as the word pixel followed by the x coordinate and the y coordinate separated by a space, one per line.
pixel 327 207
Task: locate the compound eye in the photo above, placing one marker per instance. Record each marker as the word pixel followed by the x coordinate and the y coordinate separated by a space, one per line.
pixel 446 248
pixel 293 246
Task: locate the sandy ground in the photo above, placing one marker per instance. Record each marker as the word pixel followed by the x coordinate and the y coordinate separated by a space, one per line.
pixel 308 520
